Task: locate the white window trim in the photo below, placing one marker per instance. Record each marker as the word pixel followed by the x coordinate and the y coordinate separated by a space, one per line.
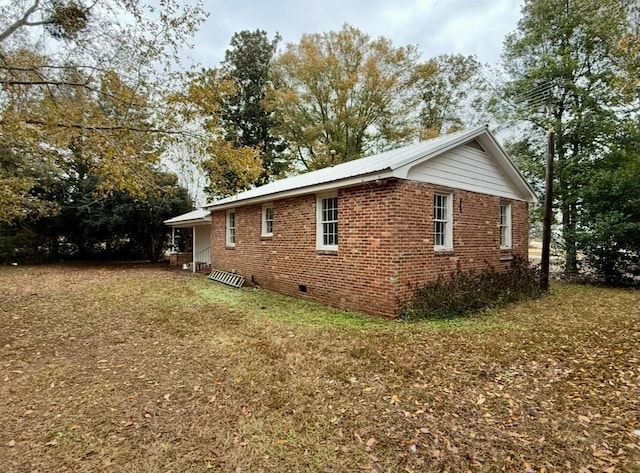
pixel 508 244
pixel 448 235
pixel 228 241
pixel 319 229
pixel 264 231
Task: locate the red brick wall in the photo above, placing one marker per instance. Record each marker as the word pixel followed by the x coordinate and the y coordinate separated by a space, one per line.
pixel 347 279
pixel 385 244
pixel 476 235
pixel 178 259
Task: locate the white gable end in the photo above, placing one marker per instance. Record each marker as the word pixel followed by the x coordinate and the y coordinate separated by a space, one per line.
pixel 465 167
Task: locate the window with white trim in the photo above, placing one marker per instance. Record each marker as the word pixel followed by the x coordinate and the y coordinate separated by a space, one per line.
pixel 505 226
pixel 231 227
pixel 327 222
pixel 267 220
pixel 442 222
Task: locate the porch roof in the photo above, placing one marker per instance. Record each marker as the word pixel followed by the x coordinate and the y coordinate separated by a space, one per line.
pixel 189 219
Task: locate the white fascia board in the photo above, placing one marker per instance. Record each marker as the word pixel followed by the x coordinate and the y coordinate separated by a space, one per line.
pixel 324 187
pixel 188 223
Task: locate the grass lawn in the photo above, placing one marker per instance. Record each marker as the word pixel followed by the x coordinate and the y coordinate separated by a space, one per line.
pixel 146 370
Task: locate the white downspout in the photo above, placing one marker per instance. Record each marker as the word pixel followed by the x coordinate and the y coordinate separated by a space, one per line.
pixel 193 250
pixel 173 239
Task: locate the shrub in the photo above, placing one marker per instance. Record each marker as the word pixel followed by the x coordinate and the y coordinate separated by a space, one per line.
pixel 466 292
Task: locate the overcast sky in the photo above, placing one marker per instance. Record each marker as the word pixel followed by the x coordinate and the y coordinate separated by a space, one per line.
pixel 436 26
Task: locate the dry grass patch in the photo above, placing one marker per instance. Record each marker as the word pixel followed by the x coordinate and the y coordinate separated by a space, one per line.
pixel 146 370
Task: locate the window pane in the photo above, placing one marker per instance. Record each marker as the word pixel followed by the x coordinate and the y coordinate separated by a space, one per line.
pixel 329 221
pixel 231 227
pixel 267 224
pixel 439 233
pixel 505 226
pixel 439 207
pixel 441 217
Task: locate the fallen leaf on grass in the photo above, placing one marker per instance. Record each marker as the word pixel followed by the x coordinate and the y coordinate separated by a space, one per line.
pixel 371 442
pixel 12 443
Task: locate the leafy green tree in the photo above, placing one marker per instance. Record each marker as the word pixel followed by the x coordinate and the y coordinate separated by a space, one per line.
pixel 244 118
pixel 566 53
pixel 609 230
pixel 342 91
pixel 139 222
pixel 118 225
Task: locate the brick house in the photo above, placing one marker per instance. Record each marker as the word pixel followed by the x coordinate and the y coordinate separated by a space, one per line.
pixel 363 234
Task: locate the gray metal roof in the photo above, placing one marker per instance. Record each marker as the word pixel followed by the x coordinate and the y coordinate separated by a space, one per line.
pixel 386 163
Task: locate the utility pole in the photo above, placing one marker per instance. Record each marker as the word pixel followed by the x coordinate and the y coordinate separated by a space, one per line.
pixel 548 207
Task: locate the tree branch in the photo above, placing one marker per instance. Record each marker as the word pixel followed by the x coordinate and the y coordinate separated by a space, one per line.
pixel 21 22
pixel 47 82
pixel 80 126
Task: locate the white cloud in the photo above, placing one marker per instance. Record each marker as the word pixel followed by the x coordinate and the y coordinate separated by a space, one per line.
pixel 436 26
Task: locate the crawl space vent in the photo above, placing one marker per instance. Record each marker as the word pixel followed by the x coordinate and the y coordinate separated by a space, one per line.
pixel 230 279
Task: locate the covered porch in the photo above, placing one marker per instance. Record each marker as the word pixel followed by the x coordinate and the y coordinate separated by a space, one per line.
pixel 190 240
